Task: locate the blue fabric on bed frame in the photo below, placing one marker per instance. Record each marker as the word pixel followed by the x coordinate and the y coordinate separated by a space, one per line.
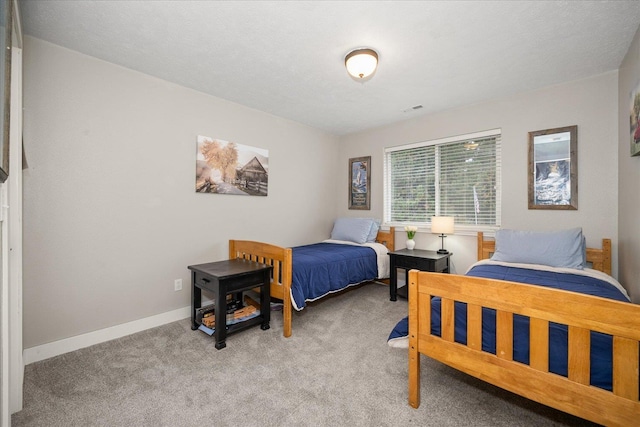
pixel 601 344
pixel 322 268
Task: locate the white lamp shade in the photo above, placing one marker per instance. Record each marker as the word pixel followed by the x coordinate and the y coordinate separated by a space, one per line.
pixel 361 63
pixel 442 224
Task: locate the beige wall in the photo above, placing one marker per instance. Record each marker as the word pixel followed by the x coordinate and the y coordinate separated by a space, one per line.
pixel 111 217
pixel 591 104
pixel 629 176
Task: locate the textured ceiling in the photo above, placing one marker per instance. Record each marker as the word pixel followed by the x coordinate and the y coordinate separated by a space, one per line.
pixel 287 58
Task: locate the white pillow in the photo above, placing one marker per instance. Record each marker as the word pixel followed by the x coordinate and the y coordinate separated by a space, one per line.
pixel 351 229
pixel 556 249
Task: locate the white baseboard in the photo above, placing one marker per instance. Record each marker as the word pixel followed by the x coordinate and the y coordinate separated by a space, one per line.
pixel 56 348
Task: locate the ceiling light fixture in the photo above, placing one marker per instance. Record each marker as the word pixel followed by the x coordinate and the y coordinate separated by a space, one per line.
pixel 361 63
pixel 470 145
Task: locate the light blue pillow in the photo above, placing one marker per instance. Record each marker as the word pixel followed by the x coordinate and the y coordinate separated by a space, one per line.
pixel 556 249
pixel 351 229
pixel 373 233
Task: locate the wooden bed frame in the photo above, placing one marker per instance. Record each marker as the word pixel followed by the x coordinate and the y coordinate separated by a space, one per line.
pixel 281 260
pixel 582 314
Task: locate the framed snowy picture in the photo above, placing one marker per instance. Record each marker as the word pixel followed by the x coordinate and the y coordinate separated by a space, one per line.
pixel 553 168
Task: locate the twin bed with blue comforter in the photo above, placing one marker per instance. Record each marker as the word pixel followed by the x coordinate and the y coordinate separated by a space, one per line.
pixel 565 337
pixel 307 273
pixel 590 282
pixel 331 266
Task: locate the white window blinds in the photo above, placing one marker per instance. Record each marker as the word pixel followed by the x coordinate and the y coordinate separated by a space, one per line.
pixel 458 176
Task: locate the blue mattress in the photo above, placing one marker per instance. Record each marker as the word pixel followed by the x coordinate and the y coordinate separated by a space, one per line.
pixel 601 344
pixel 323 268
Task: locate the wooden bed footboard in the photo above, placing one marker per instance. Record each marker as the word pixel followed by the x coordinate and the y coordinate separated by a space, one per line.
pixel 280 259
pixel 581 313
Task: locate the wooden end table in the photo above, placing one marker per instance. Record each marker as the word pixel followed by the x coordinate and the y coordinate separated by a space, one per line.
pixel 419 259
pixel 230 277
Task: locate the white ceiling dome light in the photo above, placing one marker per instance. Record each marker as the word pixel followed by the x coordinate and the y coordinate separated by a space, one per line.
pixel 361 63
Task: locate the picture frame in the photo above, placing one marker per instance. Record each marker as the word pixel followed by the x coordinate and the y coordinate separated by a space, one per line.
pixel 226 167
pixel 360 183
pixel 6 32
pixel 553 168
pixel 634 121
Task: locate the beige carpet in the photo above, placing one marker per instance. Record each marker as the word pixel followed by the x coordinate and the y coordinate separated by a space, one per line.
pixel 336 370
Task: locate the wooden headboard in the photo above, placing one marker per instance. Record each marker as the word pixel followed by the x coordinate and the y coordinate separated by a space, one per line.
pixel 387 238
pixel 600 259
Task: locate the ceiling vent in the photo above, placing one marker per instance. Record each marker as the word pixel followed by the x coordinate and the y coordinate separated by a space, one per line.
pixel 414 108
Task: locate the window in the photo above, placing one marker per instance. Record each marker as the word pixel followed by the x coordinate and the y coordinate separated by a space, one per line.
pixel 458 176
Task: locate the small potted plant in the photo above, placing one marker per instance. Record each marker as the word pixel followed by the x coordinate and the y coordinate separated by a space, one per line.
pixel 411 232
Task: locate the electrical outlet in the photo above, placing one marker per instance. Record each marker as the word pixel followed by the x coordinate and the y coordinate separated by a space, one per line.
pixel 177 285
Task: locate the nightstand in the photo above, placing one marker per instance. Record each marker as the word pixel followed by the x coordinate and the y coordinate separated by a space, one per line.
pixel 227 277
pixel 419 259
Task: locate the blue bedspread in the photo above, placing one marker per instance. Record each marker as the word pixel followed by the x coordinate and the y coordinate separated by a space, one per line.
pixel 322 268
pixel 601 344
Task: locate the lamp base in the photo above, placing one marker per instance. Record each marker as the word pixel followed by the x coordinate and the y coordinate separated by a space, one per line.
pixel 443 250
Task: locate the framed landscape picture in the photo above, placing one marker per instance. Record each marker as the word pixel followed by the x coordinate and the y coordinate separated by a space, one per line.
pixel 360 183
pixel 224 167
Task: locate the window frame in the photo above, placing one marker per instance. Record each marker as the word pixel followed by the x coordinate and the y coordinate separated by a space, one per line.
pixel 460 228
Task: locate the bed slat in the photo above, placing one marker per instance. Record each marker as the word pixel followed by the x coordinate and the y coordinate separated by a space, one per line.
pixel 504 335
pixel 579 354
pixel 539 344
pixel 625 368
pixel 447 319
pixel 425 315
pixel 474 326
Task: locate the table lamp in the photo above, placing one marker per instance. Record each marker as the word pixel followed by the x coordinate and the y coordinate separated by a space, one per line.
pixel 442 225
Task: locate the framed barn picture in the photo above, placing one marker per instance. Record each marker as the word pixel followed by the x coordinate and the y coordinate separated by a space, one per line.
pixel 224 167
